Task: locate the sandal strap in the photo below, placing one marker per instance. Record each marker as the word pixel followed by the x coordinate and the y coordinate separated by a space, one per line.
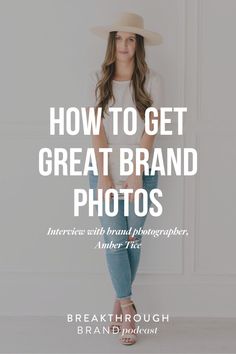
pixel 131 303
pixel 128 304
pixel 129 336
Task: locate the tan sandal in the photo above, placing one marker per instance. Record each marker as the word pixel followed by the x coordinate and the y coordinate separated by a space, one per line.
pixel 131 337
pixel 115 326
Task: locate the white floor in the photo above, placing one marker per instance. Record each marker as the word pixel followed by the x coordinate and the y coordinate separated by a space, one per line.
pixel 54 335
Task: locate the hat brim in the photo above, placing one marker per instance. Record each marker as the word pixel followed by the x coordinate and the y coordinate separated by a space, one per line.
pixel 151 38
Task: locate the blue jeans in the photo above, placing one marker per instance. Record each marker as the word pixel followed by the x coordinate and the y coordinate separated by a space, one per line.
pixel 123 261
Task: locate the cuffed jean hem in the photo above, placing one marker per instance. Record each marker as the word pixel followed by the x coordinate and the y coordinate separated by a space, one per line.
pixel 124 298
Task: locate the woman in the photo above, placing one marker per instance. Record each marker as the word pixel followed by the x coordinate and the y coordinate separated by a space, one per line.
pixel 124 81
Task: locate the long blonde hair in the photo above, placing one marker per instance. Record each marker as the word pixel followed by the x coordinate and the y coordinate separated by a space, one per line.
pixel 104 86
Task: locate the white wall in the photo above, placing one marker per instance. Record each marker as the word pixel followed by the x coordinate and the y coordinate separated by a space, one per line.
pixel 46 66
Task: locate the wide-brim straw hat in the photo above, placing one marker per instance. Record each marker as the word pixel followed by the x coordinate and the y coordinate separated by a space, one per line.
pixel 129 22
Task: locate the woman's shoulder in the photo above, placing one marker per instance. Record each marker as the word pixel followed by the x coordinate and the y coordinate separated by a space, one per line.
pixel 153 76
pixel 95 75
pixel 155 87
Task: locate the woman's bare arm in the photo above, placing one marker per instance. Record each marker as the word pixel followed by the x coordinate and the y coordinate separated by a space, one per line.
pixel 100 141
pixel 147 140
pixel 133 181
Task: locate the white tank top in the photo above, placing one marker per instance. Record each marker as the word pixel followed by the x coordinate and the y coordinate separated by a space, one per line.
pixel 122 91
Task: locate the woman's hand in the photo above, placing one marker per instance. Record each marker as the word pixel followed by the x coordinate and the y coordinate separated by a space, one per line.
pixel 134 182
pixel 104 183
